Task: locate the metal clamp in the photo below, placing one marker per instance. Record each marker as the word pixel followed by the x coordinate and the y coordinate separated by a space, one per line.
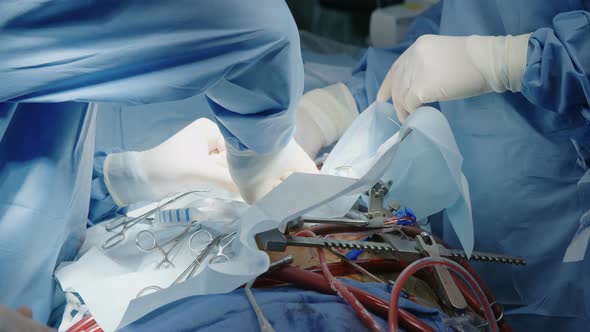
pixel 450 293
pixel 377 208
pixel 374 218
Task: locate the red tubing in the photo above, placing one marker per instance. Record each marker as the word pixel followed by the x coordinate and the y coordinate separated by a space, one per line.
pixel 504 327
pixel 325 229
pixel 474 296
pixel 339 269
pixel 432 261
pixel 373 265
pixel 471 298
pixel 309 280
pixel 343 291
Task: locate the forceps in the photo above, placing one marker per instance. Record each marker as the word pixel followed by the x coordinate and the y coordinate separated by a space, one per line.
pixel 126 224
pixel 146 241
pixel 221 241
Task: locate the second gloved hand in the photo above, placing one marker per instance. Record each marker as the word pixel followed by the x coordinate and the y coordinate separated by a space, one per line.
pixel 323 115
pixel 439 68
pixel 256 175
pixel 192 159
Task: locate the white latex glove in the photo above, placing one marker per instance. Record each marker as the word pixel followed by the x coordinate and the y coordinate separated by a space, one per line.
pixel 256 175
pixel 192 159
pixel 440 68
pixel 323 115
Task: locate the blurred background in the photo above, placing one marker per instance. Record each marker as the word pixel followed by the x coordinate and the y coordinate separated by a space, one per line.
pixel 378 23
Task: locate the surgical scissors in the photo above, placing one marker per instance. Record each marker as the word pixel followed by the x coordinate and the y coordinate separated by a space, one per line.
pixel 146 241
pixel 127 224
pixel 194 266
pixel 221 245
pixel 221 241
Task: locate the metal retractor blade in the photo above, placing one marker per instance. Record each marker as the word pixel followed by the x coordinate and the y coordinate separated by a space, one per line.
pixel 484 257
pixel 276 241
pixel 379 247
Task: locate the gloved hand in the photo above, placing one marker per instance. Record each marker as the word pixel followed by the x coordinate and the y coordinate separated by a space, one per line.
pixel 440 68
pixel 256 175
pixel 192 159
pixel 322 117
pixel 20 320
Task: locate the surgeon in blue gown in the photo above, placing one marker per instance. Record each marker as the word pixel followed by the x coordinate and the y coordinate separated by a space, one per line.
pixel 57 58
pixel 513 80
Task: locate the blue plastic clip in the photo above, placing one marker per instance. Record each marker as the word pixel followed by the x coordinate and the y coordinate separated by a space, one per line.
pixel 407 214
pixel 355 253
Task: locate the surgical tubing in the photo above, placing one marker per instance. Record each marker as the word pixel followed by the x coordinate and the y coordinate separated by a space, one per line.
pixel 469 296
pixel 413 231
pixel 310 280
pixel 343 291
pixel 373 265
pixel 435 261
pixel 490 298
pixel 473 301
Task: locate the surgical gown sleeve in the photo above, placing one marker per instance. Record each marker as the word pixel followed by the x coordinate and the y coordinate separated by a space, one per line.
pixel 372 68
pixel 244 55
pixel 557 75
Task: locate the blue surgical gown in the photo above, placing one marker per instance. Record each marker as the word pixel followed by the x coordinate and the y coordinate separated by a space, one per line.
pixel 141 127
pixel 59 57
pixel 524 153
pixel 286 309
